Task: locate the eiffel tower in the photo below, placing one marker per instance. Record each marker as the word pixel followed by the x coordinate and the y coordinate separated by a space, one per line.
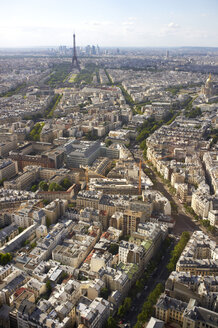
pixel 75 62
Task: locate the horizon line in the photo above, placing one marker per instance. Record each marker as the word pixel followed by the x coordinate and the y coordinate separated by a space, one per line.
pixel 142 47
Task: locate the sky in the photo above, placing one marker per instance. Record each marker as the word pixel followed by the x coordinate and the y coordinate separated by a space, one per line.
pixel 115 23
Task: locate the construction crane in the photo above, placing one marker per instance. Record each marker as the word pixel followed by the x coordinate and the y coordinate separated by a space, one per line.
pixel 87 178
pixel 140 180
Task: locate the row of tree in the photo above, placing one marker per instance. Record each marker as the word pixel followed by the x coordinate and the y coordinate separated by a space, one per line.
pixel 53 186
pixel 214 135
pixel 125 307
pixel 177 251
pixel 59 74
pixel 52 105
pixel 193 113
pixel 126 95
pixel 86 74
pixel 204 223
pixel 138 287
pixel 36 131
pixel 148 306
pixel 108 76
pixel 208 226
pixel 14 90
pixel 150 125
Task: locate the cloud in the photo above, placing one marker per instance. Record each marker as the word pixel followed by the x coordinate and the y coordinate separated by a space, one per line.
pixel 170 29
pixel 97 23
pixel 204 15
pixel 173 25
pixel 195 34
pixel 127 23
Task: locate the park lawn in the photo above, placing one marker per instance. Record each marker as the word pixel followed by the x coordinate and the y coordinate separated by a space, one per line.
pixel 72 78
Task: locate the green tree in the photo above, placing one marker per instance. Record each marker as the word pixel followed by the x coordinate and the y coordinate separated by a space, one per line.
pixel 147 308
pixel 127 303
pixel 2 182
pixel 143 144
pixel 111 322
pixel 33 245
pixel 43 186
pixel 48 222
pixel 5 258
pixel 20 229
pixel 26 242
pixel 212 229
pixel 177 251
pixel 108 142
pixel 48 285
pixel 54 187
pixel 139 285
pixel 104 293
pixel 142 317
pixel 34 188
pixel 66 184
pixel 205 223
pixel 113 249
pixel 36 131
pixel 121 311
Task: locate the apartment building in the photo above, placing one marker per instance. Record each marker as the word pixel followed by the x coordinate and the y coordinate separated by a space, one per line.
pixel 24 180
pixel 8 169
pixel 75 252
pixel 200 256
pixel 186 315
pixel 130 221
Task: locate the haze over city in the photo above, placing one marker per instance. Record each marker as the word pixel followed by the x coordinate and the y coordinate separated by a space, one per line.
pixel 139 23
pixel 108 164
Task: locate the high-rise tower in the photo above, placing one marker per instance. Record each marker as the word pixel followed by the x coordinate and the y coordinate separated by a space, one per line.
pixel 75 62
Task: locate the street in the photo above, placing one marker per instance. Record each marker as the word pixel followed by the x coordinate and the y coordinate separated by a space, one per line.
pixel 160 276
pixel 183 222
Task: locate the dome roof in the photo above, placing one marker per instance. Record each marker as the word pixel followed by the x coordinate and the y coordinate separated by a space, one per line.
pixel 209 80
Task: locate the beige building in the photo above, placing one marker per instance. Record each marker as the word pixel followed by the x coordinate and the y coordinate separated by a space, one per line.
pixel 75 252
pixel 186 315
pixel 89 198
pixel 8 169
pixel 183 286
pixel 24 180
pixel 115 280
pixel 7 146
pixel 131 253
pixel 130 221
pixel 169 309
pixel 200 256
pixel 183 193
pixel 41 231
pixel 20 295
pixel 213 217
pixel 37 287
pixel 55 209
pixel 201 203
pixel 94 289
pixel 210 160
pixel 8 233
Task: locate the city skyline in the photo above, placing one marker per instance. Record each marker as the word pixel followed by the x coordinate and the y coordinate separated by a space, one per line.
pixel 123 24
